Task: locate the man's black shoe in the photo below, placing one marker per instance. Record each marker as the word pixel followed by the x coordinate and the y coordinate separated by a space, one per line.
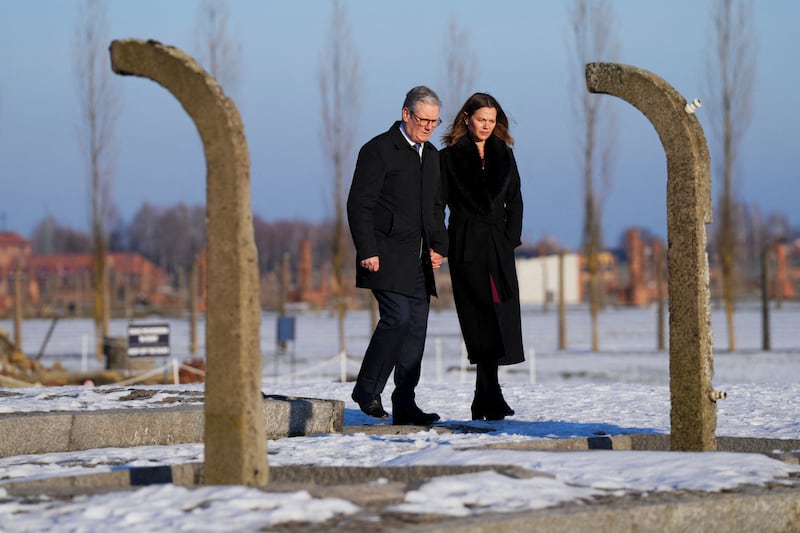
pixel 372 406
pixel 413 417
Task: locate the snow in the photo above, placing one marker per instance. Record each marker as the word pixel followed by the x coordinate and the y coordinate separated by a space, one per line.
pixel 624 389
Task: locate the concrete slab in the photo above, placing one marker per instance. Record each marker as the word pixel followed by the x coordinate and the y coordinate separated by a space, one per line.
pixel 764 509
pixel 771 508
pixel 282 478
pixel 31 433
pixel 786 450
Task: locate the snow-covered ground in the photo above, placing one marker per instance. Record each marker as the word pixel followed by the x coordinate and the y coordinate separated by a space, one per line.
pixel 628 342
pixel 556 394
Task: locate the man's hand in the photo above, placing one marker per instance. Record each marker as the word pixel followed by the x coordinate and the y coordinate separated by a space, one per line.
pixel 436 259
pixel 371 263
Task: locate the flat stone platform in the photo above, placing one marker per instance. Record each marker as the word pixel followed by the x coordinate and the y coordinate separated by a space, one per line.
pixel 65 431
pixel 772 508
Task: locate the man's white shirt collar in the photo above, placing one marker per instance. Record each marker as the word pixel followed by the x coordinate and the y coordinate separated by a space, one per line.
pixel 410 142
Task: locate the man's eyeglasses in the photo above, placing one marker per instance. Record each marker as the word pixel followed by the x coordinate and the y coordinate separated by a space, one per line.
pixel 426 121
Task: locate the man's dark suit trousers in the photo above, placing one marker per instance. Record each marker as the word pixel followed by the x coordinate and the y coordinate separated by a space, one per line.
pixel 397 344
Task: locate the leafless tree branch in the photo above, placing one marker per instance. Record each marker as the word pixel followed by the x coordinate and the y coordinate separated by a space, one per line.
pixel 338 85
pixel 98 99
pixel 218 49
pixel 461 67
pixel 592 39
pixel 730 78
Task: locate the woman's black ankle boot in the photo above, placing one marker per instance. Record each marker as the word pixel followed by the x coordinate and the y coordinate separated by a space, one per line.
pixel 481 389
pixel 492 405
pixel 478 412
pixel 507 410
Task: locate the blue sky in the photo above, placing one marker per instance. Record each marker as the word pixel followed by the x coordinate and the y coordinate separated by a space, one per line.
pixel 522 59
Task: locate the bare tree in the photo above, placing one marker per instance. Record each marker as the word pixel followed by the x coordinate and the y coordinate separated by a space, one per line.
pixel 218 50
pixel 461 66
pixel 98 97
pixel 50 237
pixel 143 230
pixel 180 237
pixel 170 237
pixel 275 240
pixel 592 40
pixel 731 74
pixel 338 87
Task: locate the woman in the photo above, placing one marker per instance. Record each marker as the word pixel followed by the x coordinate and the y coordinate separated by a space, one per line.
pixel 481 186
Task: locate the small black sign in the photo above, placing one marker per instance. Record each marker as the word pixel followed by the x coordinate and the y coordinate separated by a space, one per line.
pixel 148 340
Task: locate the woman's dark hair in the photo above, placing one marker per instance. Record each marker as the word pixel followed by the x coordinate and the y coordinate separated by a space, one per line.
pixel 478 100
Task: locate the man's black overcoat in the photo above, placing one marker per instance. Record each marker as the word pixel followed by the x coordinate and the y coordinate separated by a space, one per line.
pixel 395 212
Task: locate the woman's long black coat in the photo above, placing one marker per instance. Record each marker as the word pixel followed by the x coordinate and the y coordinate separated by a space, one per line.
pixel 484 227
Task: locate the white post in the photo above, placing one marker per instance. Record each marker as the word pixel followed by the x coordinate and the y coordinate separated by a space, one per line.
pixel 343 366
pixel 532 365
pixel 175 376
pixel 85 353
pixel 464 360
pixel 438 344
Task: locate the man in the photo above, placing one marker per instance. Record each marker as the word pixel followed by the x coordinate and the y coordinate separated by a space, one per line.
pixel 396 218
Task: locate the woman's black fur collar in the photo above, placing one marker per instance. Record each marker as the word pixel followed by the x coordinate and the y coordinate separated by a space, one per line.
pixel 481 188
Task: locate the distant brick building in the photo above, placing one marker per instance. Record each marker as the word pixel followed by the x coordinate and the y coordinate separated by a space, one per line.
pixel 305 289
pixel 637 292
pixel 14 250
pixel 63 282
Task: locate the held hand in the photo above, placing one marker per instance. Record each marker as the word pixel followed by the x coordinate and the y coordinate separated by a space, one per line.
pixel 371 263
pixel 436 259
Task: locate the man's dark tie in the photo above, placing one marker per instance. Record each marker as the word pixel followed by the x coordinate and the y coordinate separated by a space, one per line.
pixel 417 147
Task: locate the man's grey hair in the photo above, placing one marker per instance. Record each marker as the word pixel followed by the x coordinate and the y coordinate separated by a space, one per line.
pixel 419 94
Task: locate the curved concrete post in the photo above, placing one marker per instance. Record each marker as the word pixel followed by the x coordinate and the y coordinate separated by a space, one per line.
pixel 693 415
pixel 235 429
